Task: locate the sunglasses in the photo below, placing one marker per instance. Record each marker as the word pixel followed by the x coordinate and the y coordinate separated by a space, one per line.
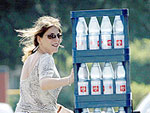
pixel 53 36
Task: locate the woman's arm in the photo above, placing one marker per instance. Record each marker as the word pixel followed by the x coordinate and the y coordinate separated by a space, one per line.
pixel 53 83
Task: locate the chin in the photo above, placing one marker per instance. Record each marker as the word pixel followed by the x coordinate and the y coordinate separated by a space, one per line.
pixel 55 51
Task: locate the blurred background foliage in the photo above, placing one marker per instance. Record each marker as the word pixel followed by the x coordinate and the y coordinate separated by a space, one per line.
pixel 19 14
pixel 139 91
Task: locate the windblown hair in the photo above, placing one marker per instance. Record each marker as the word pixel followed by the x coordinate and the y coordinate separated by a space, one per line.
pixel 29 35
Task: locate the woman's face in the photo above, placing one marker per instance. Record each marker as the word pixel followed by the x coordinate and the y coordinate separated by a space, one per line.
pixel 50 41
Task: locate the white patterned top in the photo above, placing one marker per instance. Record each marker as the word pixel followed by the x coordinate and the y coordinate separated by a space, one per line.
pixel 32 98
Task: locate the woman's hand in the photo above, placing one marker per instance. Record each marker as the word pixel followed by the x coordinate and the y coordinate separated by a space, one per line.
pixel 65 110
pixel 62 109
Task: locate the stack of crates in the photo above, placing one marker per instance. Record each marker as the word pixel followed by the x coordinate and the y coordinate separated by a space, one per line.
pixel 101 55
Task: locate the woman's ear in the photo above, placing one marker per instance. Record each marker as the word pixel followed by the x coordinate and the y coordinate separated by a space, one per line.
pixel 39 39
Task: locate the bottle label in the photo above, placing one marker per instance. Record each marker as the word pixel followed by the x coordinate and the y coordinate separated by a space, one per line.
pixel 83 88
pixel 95 87
pixel 94 41
pixel 81 43
pixel 108 86
pixel 120 86
pixel 118 41
pixel 106 41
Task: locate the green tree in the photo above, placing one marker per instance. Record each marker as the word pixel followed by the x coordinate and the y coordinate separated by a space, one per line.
pixel 140 61
pixel 21 14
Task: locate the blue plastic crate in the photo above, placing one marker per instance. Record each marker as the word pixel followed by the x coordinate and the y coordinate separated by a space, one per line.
pixel 101 55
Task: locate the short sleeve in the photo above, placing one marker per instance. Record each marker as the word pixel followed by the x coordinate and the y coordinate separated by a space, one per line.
pixel 46 66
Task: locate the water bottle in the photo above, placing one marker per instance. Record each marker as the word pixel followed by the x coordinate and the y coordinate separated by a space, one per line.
pixel 121 110
pixel 85 110
pixel 120 79
pixel 108 76
pixel 118 32
pixel 81 30
pixel 83 76
pixel 110 110
pixel 97 110
pixel 94 31
pixel 96 75
pixel 106 31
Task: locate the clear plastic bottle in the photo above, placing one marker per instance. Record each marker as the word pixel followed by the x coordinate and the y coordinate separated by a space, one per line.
pixel 85 110
pixel 120 79
pixel 106 31
pixel 108 76
pixel 83 76
pixel 94 32
pixel 110 110
pixel 97 110
pixel 96 76
pixel 81 36
pixel 121 110
pixel 118 32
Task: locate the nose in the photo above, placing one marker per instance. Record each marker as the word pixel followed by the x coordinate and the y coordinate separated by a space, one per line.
pixel 57 39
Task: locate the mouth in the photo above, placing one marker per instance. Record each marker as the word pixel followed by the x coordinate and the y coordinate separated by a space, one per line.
pixel 55 45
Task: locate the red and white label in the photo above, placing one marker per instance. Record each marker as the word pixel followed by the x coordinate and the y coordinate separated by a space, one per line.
pixel 83 88
pixel 103 88
pixel 119 42
pixel 95 87
pixel 120 86
pixel 108 42
pixel 98 43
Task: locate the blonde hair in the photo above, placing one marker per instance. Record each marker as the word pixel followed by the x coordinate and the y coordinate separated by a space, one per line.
pixel 29 36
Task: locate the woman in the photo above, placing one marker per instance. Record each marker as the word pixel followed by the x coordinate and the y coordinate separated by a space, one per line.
pixel 40 82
